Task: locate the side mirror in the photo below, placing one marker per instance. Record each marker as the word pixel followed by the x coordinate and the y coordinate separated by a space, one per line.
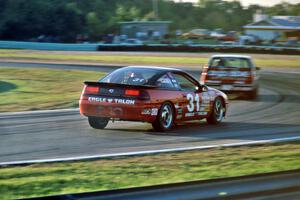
pixel 257 68
pixel 202 88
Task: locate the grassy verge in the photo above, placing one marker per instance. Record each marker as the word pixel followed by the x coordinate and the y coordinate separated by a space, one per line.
pixel 34 89
pixel 119 59
pixel 123 172
pixel 136 59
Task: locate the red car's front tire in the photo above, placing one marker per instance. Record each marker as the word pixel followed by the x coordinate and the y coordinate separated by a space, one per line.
pixel 218 112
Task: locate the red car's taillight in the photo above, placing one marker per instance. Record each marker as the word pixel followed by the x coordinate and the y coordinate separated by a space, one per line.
pixel 132 92
pixel 140 94
pixel 91 90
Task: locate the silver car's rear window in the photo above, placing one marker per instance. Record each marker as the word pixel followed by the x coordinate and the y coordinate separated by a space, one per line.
pixel 230 62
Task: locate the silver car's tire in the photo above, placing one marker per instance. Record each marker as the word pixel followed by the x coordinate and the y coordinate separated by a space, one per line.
pixel 253 94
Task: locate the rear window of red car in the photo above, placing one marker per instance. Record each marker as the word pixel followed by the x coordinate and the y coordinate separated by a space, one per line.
pixel 131 76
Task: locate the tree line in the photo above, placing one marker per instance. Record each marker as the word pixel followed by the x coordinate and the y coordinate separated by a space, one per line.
pixel 67 19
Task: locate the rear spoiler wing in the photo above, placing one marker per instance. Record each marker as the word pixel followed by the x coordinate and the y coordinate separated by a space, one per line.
pixel 119 85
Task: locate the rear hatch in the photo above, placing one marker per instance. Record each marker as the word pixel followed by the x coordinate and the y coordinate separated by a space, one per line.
pixel 228 71
pixel 229 75
pixel 114 93
pixel 113 100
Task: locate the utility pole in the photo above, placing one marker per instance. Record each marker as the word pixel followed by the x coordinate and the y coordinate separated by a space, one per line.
pixel 155 8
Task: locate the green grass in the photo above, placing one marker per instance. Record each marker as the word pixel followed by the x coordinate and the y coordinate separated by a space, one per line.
pixel 106 58
pixel 124 172
pixel 35 89
pixel 9 50
pixel 195 61
pixel 278 63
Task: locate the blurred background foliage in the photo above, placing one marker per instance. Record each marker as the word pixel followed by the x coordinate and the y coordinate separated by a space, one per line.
pixel 26 19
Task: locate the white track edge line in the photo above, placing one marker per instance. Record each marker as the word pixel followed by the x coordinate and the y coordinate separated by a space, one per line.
pixel 137 153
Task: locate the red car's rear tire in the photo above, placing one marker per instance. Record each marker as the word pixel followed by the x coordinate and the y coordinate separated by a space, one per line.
pixel 165 118
pixel 98 122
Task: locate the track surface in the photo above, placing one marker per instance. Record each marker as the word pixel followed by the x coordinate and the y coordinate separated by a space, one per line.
pixel 275 114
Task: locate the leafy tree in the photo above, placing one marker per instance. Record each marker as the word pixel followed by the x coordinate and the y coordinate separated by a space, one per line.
pixel 123 13
pixel 93 25
pixel 215 19
pixel 25 19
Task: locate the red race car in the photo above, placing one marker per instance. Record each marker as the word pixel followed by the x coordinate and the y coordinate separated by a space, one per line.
pixel 161 96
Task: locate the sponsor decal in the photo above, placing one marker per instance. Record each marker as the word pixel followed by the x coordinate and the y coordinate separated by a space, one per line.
pixel 111 91
pixel 239 73
pixel 111 100
pixel 217 73
pixel 179 111
pixel 201 113
pixel 146 112
pixel 136 79
pixel 195 113
pixel 205 102
pixel 154 111
pixel 179 117
pixel 189 114
pixel 150 111
pixel 228 73
pixel 204 108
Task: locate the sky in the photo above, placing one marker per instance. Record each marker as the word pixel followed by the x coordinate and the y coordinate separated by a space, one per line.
pixel 259 2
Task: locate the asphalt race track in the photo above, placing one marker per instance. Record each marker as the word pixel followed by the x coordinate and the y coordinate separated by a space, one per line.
pixel 275 114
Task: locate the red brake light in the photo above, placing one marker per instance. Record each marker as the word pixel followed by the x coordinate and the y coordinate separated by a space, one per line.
pixel 132 92
pixel 91 90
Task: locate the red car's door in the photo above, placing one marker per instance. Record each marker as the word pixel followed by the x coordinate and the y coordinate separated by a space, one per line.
pixel 195 103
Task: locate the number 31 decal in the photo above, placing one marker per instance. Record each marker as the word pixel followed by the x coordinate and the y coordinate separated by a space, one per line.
pixel 191 105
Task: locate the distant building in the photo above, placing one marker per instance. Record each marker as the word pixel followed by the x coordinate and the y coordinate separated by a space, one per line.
pixel 279 28
pixel 145 29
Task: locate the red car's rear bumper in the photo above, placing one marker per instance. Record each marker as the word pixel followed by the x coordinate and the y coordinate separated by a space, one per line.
pixel 129 112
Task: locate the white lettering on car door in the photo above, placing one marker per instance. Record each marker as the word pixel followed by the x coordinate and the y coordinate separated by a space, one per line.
pixel 190 106
pixel 200 109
